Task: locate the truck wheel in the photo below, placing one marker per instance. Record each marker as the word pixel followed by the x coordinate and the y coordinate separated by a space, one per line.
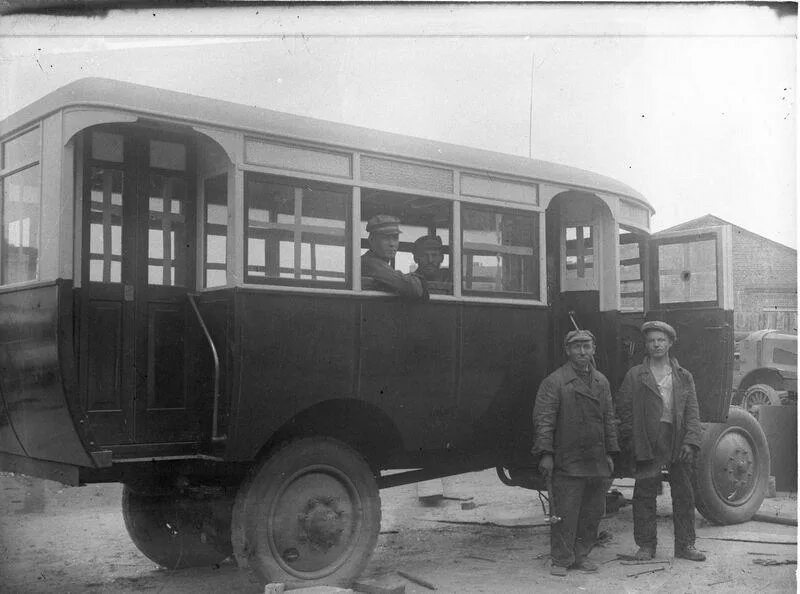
pixel 760 395
pixel 732 469
pixel 308 515
pixel 177 531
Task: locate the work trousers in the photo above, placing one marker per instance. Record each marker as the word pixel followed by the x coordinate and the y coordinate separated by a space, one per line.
pixel 579 502
pixel 646 489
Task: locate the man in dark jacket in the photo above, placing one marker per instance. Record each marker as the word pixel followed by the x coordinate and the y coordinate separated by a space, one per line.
pixel 659 420
pixel 376 263
pixel 575 431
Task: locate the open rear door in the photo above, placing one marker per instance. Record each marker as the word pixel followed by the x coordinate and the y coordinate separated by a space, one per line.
pixel 690 288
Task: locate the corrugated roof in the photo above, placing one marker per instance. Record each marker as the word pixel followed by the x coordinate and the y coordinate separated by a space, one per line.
pixel 193 109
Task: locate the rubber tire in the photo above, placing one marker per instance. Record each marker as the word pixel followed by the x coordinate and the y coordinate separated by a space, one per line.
pixel 769 391
pixel 708 501
pixel 252 520
pixel 169 529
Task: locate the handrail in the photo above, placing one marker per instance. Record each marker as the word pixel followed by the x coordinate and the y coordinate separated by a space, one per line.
pixel 215 417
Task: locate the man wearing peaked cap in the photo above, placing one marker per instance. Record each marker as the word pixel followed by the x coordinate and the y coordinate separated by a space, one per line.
pixel 659 421
pixel 575 435
pixel 376 263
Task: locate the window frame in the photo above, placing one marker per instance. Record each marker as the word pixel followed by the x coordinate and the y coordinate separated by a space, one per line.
pixel 536 247
pixel 297 183
pixel 6 173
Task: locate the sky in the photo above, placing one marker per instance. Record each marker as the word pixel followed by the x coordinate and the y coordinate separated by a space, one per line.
pixel 692 105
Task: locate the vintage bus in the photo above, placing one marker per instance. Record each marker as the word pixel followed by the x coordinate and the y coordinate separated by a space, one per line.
pixel 182 310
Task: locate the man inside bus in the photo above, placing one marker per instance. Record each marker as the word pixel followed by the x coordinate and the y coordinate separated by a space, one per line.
pixel 376 263
pixel 659 417
pixel 575 435
pixel 428 254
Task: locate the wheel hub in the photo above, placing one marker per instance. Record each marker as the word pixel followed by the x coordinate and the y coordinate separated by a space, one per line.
pixel 314 522
pixel 735 467
pixel 322 523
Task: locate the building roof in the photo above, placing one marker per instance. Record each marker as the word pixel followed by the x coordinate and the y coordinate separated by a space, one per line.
pixel 193 109
pixel 710 220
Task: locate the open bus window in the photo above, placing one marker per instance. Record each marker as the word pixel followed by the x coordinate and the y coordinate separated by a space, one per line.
pixel 419 217
pixel 631 277
pixel 500 252
pixel 296 232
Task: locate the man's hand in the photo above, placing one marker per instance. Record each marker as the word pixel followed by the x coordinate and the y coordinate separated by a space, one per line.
pixel 610 461
pixel 546 464
pixel 687 454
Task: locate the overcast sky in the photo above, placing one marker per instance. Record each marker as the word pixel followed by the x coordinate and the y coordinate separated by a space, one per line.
pixel 694 106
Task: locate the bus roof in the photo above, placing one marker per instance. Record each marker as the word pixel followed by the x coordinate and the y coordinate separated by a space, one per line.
pixel 193 109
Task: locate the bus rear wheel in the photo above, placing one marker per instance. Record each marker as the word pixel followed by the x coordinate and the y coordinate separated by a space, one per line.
pixel 308 515
pixel 732 469
pixel 176 530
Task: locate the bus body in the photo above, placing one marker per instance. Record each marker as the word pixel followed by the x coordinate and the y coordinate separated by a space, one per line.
pixel 182 310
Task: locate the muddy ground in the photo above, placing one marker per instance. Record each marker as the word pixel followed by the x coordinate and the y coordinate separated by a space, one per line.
pixel 60 539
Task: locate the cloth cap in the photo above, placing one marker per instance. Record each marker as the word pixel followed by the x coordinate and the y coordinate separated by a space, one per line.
pixel 661 327
pixel 578 336
pixel 427 242
pixel 384 224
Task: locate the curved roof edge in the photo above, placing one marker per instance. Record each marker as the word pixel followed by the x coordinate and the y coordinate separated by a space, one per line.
pixel 195 109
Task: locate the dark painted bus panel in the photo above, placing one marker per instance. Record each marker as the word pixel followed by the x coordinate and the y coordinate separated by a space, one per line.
pixel 40 417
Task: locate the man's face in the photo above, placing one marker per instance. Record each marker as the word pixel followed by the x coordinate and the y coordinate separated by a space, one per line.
pixel 580 352
pixel 384 244
pixel 657 343
pixel 429 261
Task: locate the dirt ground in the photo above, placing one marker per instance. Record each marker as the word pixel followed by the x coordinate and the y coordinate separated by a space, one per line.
pixel 60 539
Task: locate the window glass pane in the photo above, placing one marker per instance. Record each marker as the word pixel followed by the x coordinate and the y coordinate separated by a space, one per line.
pixel 107 147
pixel 579 252
pixel 297 233
pixel 166 247
pixel 216 229
pixel 22 149
pixel 500 252
pixel 631 284
pixel 21 214
pixel 167 155
pixel 687 272
pixel 105 225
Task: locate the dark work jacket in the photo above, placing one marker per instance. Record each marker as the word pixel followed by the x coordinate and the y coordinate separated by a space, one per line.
pixel 389 279
pixel 575 423
pixel 639 406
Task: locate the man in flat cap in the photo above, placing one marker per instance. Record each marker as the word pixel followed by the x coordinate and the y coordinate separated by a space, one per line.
pixel 659 418
pixel 376 263
pixel 428 254
pixel 575 435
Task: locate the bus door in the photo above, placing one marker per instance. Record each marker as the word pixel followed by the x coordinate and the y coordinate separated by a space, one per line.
pixel 137 267
pixel 690 288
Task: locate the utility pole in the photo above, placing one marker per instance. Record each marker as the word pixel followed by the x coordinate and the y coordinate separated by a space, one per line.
pixel 530 111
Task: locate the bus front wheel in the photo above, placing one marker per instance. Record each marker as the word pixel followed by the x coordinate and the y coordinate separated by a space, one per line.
pixel 732 469
pixel 309 514
pixel 176 530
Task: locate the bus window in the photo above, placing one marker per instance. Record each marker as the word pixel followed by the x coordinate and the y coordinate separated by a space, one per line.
pixel 500 253
pixel 419 217
pixel 687 271
pixel 296 231
pixel 105 225
pixel 166 254
pixel 21 208
pixel 579 253
pixel 216 230
pixel 631 276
